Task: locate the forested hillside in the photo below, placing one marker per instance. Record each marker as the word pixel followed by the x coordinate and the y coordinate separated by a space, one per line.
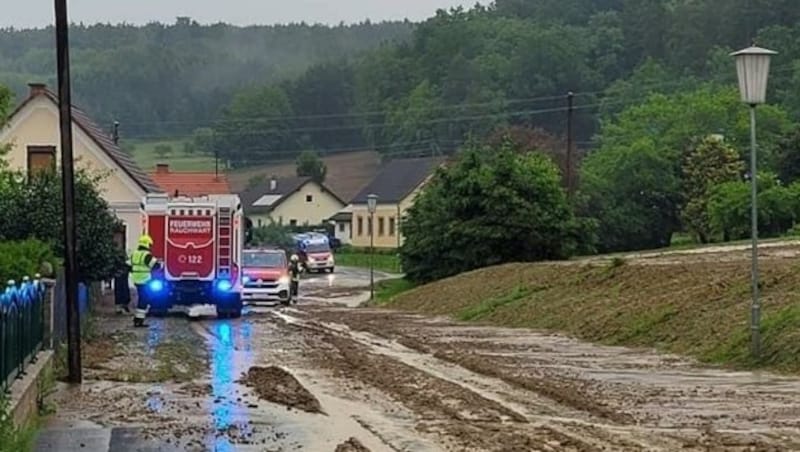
pixel 157 79
pixel 466 73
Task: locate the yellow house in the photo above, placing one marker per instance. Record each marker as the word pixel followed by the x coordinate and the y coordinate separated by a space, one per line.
pixel 396 186
pixel 33 133
pixel 292 201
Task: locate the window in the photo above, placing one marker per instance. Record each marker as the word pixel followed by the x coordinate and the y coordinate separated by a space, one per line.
pixel 360 226
pixel 120 236
pixel 309 198
pixel 370 231
pixel 391 226
pixel 259 222
pixel 292 222
pixel 41 158
pixel 341 227
pixel 380 226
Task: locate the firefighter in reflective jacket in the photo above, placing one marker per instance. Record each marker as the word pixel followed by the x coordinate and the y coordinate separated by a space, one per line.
pixel 295 269
pixel 143 263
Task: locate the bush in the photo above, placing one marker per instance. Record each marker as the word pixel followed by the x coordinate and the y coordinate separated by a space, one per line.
pixel 32 210
pixel 26 258
pixel 273 235
pixel 490 207
pixel 729 208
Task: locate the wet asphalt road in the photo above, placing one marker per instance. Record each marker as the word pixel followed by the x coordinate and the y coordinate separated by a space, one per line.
pixel 231 351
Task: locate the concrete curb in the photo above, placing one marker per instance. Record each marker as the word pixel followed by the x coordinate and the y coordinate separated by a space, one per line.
pixel 27 391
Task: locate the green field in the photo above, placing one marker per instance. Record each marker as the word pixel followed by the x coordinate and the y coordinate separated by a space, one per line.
pixel 144 152
pixel 389 263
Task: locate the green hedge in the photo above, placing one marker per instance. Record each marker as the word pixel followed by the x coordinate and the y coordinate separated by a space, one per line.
pixel 25 258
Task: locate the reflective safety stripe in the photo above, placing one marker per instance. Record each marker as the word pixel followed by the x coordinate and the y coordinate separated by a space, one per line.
pixel 140 313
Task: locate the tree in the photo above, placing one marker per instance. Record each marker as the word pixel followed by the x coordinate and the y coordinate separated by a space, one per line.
pixel 490 207
pixel 709 163
pixel 729 207
pixel 633 191
pixel 310 165
pixel 163 150
pixel 203 140
pixel 788 158
pixel 631 185
pixel 524 140
pixel 30 213
pixel 257 180
pixel 675 120
pixel 255 127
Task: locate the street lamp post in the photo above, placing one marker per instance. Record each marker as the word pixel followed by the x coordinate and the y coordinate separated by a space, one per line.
pixel 752 68
pixel 372 204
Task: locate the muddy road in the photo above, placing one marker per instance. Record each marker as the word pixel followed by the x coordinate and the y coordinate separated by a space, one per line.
pixel 326 376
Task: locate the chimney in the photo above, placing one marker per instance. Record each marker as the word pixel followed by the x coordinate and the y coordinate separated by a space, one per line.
pixel 162 168
pixel 115 133
pixel 36 89
pixel 273 184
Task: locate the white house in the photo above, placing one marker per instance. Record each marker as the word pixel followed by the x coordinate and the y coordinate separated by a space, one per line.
pixel 32 131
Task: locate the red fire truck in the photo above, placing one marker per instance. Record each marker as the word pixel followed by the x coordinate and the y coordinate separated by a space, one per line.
pixel 199 240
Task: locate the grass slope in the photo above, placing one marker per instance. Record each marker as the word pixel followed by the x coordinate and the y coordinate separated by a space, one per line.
pixel 688 305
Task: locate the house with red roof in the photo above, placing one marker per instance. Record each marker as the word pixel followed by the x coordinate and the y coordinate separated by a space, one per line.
pixel 32 131
pixel 190 183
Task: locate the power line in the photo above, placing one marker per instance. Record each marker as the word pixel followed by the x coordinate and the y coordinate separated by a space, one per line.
pixel 252 133
pixel 358 114
pixel 346 115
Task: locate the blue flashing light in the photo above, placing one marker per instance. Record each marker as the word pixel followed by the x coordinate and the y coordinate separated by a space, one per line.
pixel 224 285
pixel 155 285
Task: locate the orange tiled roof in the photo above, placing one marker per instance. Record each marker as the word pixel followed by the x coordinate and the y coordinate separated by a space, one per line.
pixel 190 183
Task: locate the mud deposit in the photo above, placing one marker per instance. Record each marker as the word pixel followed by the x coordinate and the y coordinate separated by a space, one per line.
pixel 279 386
pixel 393 381
pixel 351 445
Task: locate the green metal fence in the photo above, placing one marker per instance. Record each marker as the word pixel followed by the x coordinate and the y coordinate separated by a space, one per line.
pixel 21 327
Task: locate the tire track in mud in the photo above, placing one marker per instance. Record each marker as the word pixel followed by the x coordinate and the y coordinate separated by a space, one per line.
pixel 466 406
pixel 568 409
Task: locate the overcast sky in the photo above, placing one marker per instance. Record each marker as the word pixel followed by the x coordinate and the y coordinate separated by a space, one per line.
pixel 37 13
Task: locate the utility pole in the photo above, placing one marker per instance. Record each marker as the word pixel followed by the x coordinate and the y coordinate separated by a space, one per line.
pixel 216 163
pixel 68 189
pixel 570 98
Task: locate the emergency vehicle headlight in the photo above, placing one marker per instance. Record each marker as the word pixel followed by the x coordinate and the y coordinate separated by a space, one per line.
pixel 283 280
pixel 246 279
pixel 224 285
pixel 155 285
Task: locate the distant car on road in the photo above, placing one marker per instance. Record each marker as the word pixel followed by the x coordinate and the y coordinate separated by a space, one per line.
pixel 265 275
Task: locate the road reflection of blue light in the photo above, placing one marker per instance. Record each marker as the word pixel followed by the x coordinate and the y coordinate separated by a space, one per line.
pixel 225 368
pixel 225 334
pixel 153 337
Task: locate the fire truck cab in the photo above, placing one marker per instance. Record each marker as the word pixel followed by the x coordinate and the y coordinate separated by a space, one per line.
pixel 199 242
